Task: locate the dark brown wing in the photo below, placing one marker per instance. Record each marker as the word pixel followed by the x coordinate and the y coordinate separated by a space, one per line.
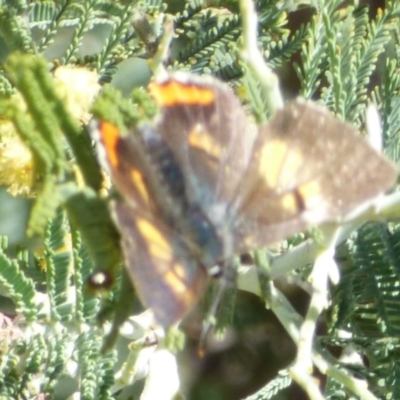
pixel 308 167
pixel 206 128
pixel 166 278
pixel 119 156
pixel 142 168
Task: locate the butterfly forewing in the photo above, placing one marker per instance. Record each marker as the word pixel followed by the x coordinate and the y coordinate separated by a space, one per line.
pixel 206 128
pixel 308 167
pixel 124 160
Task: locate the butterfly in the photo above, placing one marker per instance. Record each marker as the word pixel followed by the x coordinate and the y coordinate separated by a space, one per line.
pixel 201 183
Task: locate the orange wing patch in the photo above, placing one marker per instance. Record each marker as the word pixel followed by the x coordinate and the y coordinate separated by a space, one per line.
pixel 173 93
pixel 159 248
pixel 137 178
pixel 110 136
pixel 158 245
pixel 202 140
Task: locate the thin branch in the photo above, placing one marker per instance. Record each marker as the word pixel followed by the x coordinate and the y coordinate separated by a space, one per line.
pixel 252 55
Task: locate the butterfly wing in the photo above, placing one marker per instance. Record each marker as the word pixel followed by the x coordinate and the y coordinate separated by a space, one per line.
pixel 123 159
pixel 308 167
pixel 166 278
pixel 206 128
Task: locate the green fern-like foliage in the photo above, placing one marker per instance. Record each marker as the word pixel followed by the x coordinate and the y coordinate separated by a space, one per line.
pixel 371 270
pixel 366 302
pixel 37 343
pixel 341 55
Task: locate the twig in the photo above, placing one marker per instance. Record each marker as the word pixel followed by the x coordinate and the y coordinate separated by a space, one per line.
pixel 252 55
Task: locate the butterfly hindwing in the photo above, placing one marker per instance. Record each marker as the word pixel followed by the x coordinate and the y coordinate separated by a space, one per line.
pixel 166 278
